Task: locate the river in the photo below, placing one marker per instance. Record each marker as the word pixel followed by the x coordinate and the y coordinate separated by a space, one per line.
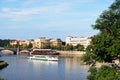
pixel 20 68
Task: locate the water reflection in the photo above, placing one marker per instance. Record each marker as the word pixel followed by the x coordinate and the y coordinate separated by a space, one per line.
pixel 73 70
pixel 21 68
pixel 39 63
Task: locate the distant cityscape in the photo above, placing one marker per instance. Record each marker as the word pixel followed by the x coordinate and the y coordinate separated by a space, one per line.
pixel 42 41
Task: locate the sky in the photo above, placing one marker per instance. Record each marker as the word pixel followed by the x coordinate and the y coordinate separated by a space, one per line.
pixel 31 19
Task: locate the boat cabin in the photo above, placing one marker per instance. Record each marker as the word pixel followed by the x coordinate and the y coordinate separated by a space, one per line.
pixel 43 52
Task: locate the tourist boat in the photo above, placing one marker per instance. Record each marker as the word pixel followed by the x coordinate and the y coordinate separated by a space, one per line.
pixel 43 57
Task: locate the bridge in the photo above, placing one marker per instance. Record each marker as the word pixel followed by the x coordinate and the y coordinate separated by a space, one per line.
pixel 16 50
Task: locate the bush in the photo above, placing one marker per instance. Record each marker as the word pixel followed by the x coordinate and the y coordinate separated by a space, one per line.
pixel 104 73
pixel 2 79
pixel 3 64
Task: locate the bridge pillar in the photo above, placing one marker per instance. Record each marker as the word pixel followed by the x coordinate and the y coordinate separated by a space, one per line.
pixel 18 51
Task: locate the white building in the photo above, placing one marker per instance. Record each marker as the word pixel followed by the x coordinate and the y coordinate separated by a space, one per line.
pixel 78 40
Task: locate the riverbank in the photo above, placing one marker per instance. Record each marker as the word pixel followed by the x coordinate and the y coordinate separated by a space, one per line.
pixel 71 53
pixel 3 64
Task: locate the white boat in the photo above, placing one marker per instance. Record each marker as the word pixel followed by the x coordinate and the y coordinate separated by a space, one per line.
pixel 43 57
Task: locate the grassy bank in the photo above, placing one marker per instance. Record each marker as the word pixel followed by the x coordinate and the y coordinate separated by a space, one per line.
pixel 3 64
pixel 2 79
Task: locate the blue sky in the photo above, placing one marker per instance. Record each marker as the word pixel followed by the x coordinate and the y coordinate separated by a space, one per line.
pixel 31 19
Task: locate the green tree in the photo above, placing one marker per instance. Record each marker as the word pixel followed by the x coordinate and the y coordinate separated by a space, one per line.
pixel 4 42
pixel 106 43
pixel 105 46
pixel 79 47
pixel 69 47
pixel 30 45
pixel 89 57
pixel 104 73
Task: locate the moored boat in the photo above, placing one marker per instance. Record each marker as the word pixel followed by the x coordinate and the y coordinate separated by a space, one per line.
pixel 43 57
pixel 43 52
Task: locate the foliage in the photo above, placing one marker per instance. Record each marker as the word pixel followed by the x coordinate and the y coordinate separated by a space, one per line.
pixel 88 57
pixel 3 64
pixel 69 47
pixel 104 73
pixel 79 47
pixel 4 42
pixel 65 47
pixel 30 45
pixel 106 44
pixel 2 79
pixel 93 71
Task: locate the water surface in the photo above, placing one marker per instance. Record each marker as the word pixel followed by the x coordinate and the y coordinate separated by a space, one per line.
pixel 20 68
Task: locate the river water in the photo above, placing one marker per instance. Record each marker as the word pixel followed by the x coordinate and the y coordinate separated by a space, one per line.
pixel 20 68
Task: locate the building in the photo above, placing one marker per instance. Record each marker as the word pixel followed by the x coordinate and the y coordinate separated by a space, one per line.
pixel 42 42
pixel 39 43
pixel 78 40
pixel 20 42
pixel 13 42
pixel 55 42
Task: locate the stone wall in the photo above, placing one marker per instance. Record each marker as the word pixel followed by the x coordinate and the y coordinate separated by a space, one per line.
pixel 71 53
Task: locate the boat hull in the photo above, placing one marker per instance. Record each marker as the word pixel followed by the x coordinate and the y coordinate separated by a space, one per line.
pixel 45 58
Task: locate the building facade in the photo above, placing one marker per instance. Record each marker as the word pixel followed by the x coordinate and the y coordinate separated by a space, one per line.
pixel 41 42
pixel 13 42
pixel 55 42
pixel 78 40
pixel 20 42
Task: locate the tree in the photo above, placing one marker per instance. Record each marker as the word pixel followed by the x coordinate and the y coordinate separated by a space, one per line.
pixel 104 73
pixel 105 46
pixel 69 47
pixel 4 42
pixel 106 43
pixel 79 47
pixel 30 45
pixel 89 57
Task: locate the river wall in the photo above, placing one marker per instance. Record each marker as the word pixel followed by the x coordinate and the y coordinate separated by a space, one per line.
pixel 71 53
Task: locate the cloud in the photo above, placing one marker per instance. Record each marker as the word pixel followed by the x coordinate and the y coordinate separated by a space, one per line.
pixel 50 10
pixel 24 13
pixel 29 2
pixel 9 0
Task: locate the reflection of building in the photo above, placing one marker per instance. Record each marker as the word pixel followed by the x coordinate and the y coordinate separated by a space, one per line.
pixel 75 40
pixel 41 42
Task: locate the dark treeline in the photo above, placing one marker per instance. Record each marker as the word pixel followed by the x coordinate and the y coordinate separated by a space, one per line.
pixel 66 47
pixel 4 42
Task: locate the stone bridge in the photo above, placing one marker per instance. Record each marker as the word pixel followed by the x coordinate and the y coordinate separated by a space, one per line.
pixel 16 50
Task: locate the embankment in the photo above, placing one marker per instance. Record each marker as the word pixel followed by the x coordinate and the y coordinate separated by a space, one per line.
pixel 71 53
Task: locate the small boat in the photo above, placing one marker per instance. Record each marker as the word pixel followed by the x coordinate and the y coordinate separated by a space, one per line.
pixel 43 57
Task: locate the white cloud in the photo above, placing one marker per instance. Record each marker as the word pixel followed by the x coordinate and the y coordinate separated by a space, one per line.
pixel 24 13
pixel 44 11
pixel 28 2
pixel 5 9
pixel 10 0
